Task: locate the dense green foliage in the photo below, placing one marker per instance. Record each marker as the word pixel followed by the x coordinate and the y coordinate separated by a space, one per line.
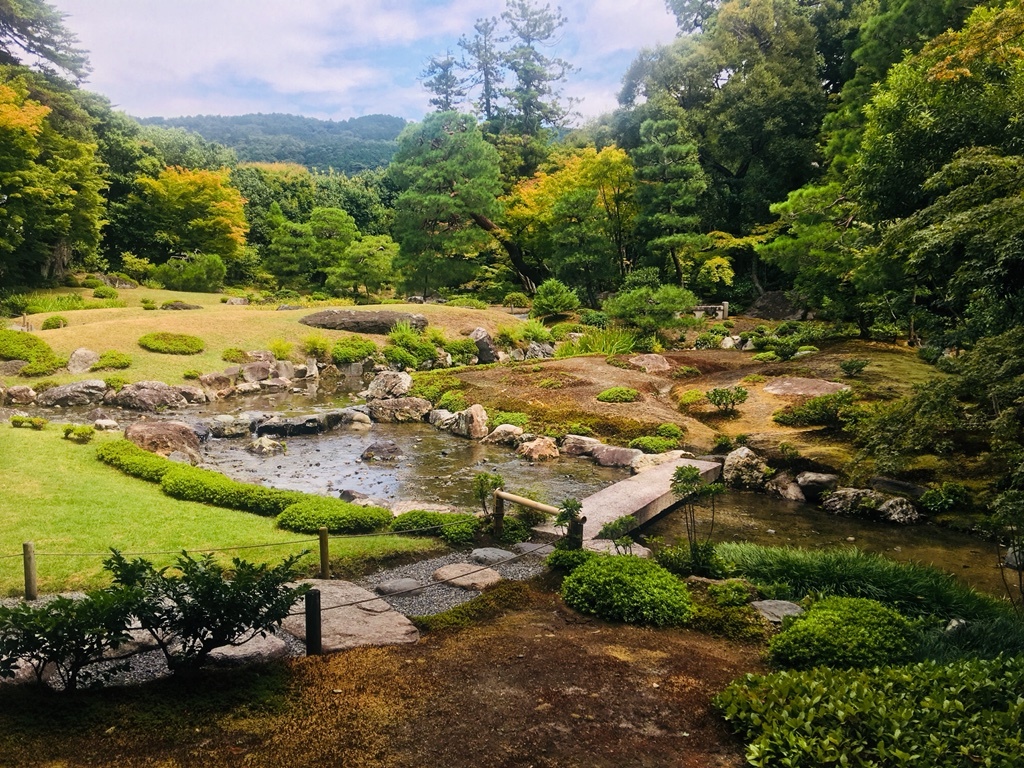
pixel 618 395
pixel 450 527
pixel 208 487
pixel 337 516
pixel 352 349
pixel 172 343
pixel 629 589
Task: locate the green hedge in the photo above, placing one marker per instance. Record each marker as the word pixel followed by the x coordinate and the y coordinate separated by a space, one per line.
pixel 451 527
pixel 630 589
pixel 172 343
pixel 961 715
pixel 132 460
pixel 19 345
pixel 207 487
pixel 337 516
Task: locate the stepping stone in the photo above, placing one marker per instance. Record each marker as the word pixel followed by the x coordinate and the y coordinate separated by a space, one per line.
pixel 370 622
pixel 776 610
pixel 405 587
pixel 256 650
pixel 490 555
pixel 467 576
pixel 536 548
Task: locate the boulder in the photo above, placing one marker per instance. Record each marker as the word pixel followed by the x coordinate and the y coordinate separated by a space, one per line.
pixel 12 367
pixel 369 622
pixel 897 487
pixel 248 388
pixel 539 351
pixel 776 610
pixel 275 385
pixel 165 438
pixel 388 385
pixel 487 351
pixel 774 305
pixel 288 307
pixel 179 306
pixel 853 502
pixel 441 418
pixel 265 446
pixel 216 381
pixel 105 425
pixel 237 301
pixel 900 511
pixel 607 547
pixel 577 445
pixel 650 460
pixel 471 423
pixel 745 469
pixel 227 426
pixel 614 456
pixel 314 424
pixel 382 450
pixel 814 484
pixel 535 548
pixel 467 576
pixel 403 587
pixel 378 322
pixel 82 360
pixel 504 434
pixel 650 363
pixel 401 409
pixel 21 395
pixel 785 486
pixel 191 394
pixel 804 387
pixel 261 356
pixel 86 392
pixel 538 449
pixel 490 555
pixel 727 343
pixel 149 396
pixel 285 369
pixel 261 648
pixel 258 371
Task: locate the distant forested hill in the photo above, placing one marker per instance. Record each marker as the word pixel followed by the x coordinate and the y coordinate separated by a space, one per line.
pixel 347 145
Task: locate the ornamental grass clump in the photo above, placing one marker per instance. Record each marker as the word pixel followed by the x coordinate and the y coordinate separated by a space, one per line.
pixel 629 589
pixel 172 343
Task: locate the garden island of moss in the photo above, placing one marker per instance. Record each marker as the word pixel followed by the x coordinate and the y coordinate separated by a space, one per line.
pixel 789 264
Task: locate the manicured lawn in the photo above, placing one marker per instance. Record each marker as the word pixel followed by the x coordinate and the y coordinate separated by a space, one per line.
pixel 57 495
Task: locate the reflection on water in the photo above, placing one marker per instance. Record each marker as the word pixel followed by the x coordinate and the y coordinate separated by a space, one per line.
pixel 771 521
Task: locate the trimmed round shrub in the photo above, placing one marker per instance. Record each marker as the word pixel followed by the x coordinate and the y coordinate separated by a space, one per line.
pixel 453 528
pixel 843 633
pixel 516 299
pixel 134 461
pixel 79 433
pixel 653 444
pixel 335 515
pixel 104 292
pixel 673 431
pixel 208 487
pixel 191 374
pixel 112 360
pixel 619 395
pixel 629 589
pixel 352 349
pixel 92 282
pixel 553 297
pixel 55 321
pixel 235 355
pixel 399 357
pixel 766 357
pixel 172 343
pixel 569 560
pixel 689 398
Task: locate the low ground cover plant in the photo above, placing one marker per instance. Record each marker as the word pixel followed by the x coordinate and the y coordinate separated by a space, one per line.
pixel 172 343
pixel 821 411
pixel 629 589
pixel 112 360
pixel 20 345
pixel 54 321
pixel 337 516
pixel 79 433
pixel 618 395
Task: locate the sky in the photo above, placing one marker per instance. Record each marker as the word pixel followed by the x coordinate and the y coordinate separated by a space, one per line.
pixel 331 59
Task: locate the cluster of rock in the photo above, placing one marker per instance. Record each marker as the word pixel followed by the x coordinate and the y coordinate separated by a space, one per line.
pixel 745 469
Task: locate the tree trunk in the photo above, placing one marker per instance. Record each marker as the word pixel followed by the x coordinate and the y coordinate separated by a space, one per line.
pixel 529 275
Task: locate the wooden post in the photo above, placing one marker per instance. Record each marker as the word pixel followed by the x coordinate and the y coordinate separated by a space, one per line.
pixel 574 534
pixel 28 550
pixel 499 515
pixel 325 554
pixel 314 636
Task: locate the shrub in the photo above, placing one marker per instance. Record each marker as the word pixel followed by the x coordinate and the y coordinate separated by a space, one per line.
pixel 281 349
pixel 594 318
pixel 463 351
pixel 673 431
pixel 689 398
pixel 844 632
pixel 506 336
pixel 651 309
pixel 55 321
pixel 202 273
pixel 930 355
pixel 352 349
pixel 686 372
pixel 19 345
pixel 722 443
pixel 235 355
pixel 104 292
pixel 37 423
pixel 452 400
pixel 148 304
pixel 399 358
pixel 618 395
pixel 337 516
pixel 766 357
pixel 208 487
pixel 515 418
pixel 172 343
pixel 822 411
pixel 561 331
pixel 116 383
pixel 468 302
pixel 629 589
pixel 963 714
pixel 92 282
pixel 112 360
pixel 603 341
pixel 455 529
pixel 317 346
pixel 535 330
pixel 853 366
pixel 191 374
pixel 516 299
pixel 707 340
pixel 79 433
pixel 569 560
pixel 730 593
pixel 553 297
pixel 726 399
pixel 700 559
pixel 651 444
pixel 134 461
pixel 946 498
pixel 404 336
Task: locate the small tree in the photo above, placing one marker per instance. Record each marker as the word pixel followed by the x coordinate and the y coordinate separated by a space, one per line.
pixel 516 299
pixel 1008 520
pixel 691 490
pixel 553 297
pixel 726 399
pixel 484 486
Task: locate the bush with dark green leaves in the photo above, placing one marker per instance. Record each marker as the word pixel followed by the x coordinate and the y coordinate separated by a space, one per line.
pixel 553 297
pixel 352 349
pixel 844 632
pixel 337 516
pixel 654 444
pixel 618 395
pixel 629 589
pixel 593 318
pixel 959 715
pixel 202 273
pixel 172 343
pixel 208 487
pixel 55 321
pixel 853 366
pixel 79 433
pixel 821 411
pixel 516 299
pixel 454 528
pixel 726 399
pixel 104 292
pixel 568 560
pixel 112 360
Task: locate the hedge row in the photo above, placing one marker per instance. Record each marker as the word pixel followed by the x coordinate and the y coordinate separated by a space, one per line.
pixel 134 461
pixel 208 487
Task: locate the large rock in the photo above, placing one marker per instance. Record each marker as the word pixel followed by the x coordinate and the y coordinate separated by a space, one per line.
pixel 647 461
pixel 490 555
pixel 258 371
pixel 259 649
pixel 864 502
pixel 382 450
pixel 191 394
pixel 275 385
pixel 364 619
pixel 403 587
pixel 12 367
pixel 371 321
pixel 785 486
pixel 614 456
pixel 487 351
pixel 227 426
pixel 651 363
pixel 467 576
pixel 774 305
pixel 900 511
pixel 441 418
pixel 578 445
pixel 539 351
pixel 149 396
pixel 504 434
pixel 804 387
pixel 388 385
pixel 216 381
pixel 314 424
pixel 776 610
pixel 165 438
pixel 82 360
pixel 538 449
pixel 893 487
pixel 179 306
pixel 87 392
pixel 20 395
pixel 814 484
pixel 471 423
pixel 401 409
pixel 745 469
pixel 265 446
